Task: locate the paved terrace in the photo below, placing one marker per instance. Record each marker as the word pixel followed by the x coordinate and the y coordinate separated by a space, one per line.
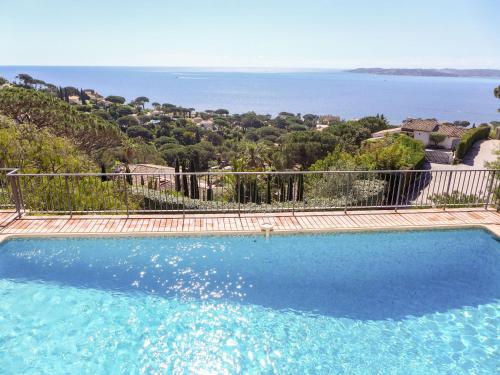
pixel 230 223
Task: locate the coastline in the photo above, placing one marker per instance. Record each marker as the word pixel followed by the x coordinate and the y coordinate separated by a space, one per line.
pixel 335 92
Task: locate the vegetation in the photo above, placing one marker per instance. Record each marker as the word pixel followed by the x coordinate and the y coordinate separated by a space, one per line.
pixel 469 138
pixel 436 138
pixel 394 151
pixel 456 199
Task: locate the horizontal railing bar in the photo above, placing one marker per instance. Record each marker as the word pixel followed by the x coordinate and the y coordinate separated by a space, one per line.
pixel 250 173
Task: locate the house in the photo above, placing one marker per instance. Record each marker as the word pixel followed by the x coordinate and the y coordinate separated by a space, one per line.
pixel 321 127
pixel 206 124
pixel 74 99
pixel 328 119
pixel 422 129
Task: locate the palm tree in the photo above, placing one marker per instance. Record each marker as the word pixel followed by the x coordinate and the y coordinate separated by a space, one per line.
pixel 255 156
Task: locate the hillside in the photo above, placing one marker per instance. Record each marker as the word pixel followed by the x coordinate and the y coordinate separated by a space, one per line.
pixel 486 73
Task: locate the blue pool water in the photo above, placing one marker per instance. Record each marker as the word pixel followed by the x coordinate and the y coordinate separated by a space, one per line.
pixel 425 302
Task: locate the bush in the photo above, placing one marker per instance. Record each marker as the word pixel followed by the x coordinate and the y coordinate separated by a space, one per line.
pixel 469 138
pixel 436 138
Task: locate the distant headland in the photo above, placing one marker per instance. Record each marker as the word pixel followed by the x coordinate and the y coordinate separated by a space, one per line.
pixel 487 73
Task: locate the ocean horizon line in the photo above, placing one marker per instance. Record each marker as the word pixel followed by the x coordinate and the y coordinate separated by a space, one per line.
pixel 246 69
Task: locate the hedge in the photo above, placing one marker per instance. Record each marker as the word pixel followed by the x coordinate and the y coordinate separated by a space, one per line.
pixel 469 138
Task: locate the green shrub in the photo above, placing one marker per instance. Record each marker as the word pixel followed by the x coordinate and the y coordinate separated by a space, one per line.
pixel 469 138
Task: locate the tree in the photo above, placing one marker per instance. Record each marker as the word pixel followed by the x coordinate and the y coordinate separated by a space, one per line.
pixel 436 138
pixel 129 176
pixel 3 81
pixel 195 190
pixel 38 150
pixel 222 112
pixel 251 120
pixel 177 177
pixel 115 99
pixel 496 92
pixel 141 100
pixel 88 132
pixel 374 123
pixel 126 122
pixel 139 131
pixel 26 79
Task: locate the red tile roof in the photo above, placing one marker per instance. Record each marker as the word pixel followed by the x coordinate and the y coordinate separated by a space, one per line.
pixel 430 126
pixel 420 125
pixel 451 130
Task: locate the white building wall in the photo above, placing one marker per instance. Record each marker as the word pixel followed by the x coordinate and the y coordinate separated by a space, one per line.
pixel 421 136
pixel 448 142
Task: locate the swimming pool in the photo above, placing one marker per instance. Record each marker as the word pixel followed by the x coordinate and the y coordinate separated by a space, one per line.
pixel 417 302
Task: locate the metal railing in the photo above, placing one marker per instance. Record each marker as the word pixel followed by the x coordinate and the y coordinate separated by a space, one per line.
pixel 286 191
pixel 6 198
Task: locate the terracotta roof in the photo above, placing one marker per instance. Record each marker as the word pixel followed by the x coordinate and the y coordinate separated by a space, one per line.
pixel 451 130
pixel 420 125
pixel 151 168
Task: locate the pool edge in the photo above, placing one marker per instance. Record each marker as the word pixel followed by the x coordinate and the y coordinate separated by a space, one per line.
pixel 493 229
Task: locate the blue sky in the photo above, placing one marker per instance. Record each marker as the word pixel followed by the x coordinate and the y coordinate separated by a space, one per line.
pixel 252 33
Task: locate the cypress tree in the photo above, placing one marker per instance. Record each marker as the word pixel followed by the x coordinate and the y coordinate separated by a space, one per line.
pixel 210 191
pixel 177 177
pixel 128 177
pixel 185 185
pixel 300 188
pixel 282 189
pixel 103 176
pixel 195 192
pixel 269 198
pixel 255 191
pixel 242 192
pixel 290 188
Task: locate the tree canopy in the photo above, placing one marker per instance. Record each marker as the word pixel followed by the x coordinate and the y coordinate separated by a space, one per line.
pixel 115 99
pixel 90 133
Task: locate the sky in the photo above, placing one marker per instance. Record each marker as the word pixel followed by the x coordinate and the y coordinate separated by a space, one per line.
pixel 252 33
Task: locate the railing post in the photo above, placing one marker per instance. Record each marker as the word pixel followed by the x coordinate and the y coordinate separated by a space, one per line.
pixel 70 207
pixel 238 194
pixel 347 192
pixel 398 192
pixel 490 191
pixel 16 195
pixel 446 195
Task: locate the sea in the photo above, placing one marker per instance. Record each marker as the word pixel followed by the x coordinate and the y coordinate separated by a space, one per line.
pixel 321 92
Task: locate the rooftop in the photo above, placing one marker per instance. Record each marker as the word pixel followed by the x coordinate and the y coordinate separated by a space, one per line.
pixel 434 126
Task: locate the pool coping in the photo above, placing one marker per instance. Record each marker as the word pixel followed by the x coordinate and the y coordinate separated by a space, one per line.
pixel 493 229
pixel 91 226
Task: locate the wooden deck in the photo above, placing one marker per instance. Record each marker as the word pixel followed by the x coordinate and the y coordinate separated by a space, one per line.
pixel 230 223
